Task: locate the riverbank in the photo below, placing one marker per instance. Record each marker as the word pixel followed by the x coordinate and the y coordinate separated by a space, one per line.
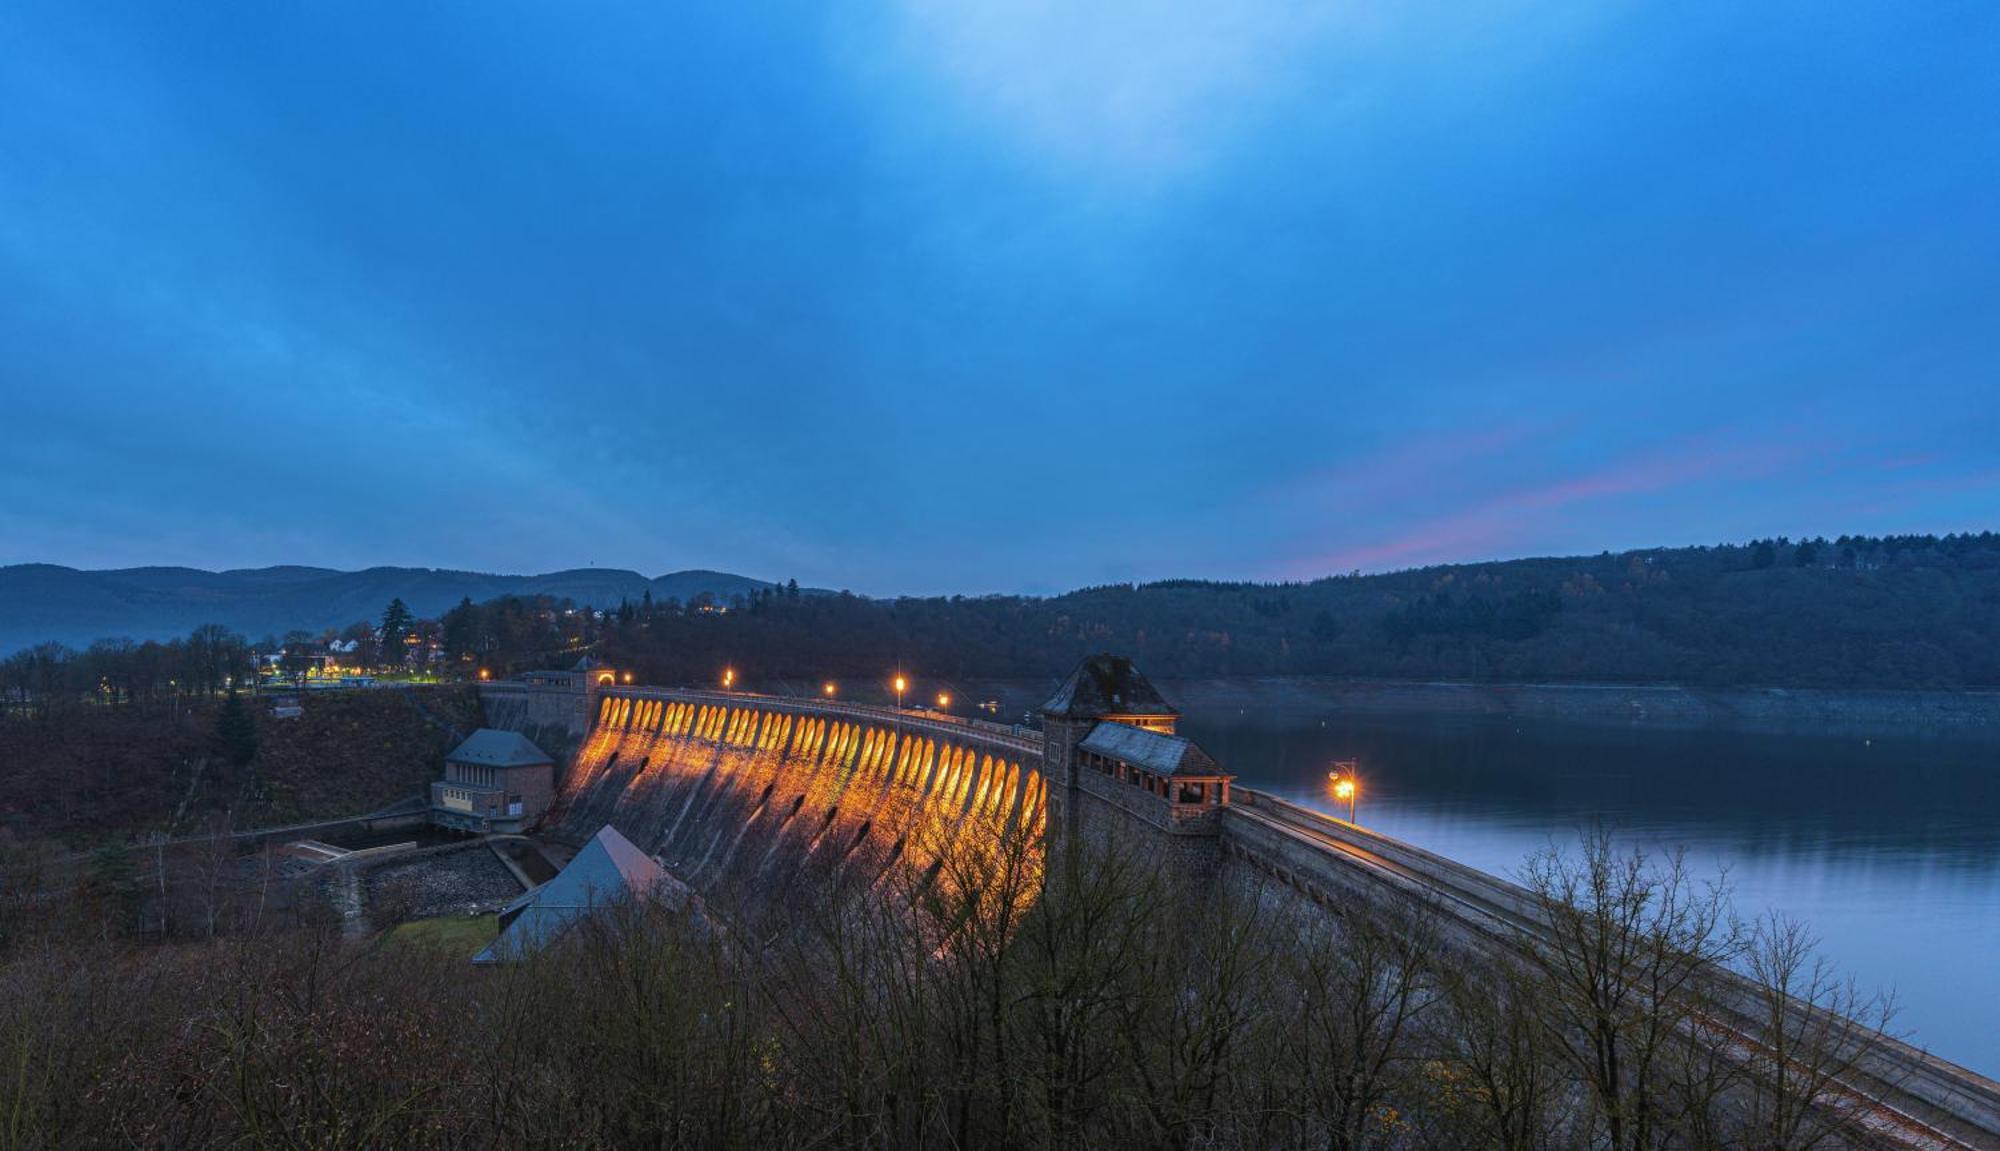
pixel 1665 706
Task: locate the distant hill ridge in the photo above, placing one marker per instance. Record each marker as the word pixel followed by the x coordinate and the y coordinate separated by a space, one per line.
pixel 43 602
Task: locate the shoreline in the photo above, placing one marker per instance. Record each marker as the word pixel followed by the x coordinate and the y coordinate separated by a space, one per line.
pixel 1821 711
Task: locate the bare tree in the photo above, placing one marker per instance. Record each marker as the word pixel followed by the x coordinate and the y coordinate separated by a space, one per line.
pixel 1504 1084
pixel 1078 950
pixel 1199 987
pixel 1629 941
pixel 1358 988
pixel 1815 1028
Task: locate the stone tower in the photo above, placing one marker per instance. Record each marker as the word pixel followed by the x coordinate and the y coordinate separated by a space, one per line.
pixel 1103 687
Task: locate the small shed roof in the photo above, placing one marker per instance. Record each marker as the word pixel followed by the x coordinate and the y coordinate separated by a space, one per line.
pixel 610 869
pixel 1152 751
pixel 490 747
pixel 1106 685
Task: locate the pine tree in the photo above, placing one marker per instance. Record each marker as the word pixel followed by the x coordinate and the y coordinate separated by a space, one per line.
pixel 236 732
pixel 461 629
pixel 396 621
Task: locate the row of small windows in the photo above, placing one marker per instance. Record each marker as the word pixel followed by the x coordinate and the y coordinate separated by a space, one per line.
pixel 468 796
pixel 473 773
pixel 1174 791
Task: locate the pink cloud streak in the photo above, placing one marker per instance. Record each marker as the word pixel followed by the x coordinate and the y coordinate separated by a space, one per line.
pixel 1490 524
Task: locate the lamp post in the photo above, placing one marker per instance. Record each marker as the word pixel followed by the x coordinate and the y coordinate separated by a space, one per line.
pixel 1346 785
pixel 901 685
pixel 944 700
pixel 728 678
pixel 829 689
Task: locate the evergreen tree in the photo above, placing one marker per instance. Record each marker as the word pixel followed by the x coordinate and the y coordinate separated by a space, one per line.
pixel 461 629
pixel 236 732
pixel 1325 628
pixel 396 622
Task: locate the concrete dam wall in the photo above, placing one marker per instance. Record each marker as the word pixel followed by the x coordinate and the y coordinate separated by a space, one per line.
pixel 743 798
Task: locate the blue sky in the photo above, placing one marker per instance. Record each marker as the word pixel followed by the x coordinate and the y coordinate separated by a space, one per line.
pixel 979 296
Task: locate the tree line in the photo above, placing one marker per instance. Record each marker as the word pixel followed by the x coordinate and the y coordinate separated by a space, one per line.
pixel 1890 612
pixel 1914 611
pixel 999 999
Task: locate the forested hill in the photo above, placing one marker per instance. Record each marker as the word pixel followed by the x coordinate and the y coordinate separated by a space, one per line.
pixel 41 603
pixel 1896 612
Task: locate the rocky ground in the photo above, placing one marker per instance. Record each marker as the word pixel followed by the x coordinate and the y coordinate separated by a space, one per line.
pixel 463 879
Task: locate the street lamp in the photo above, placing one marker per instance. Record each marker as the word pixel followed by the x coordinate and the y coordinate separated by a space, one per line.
pixel 944 700
pixel 829 689
pixel 728 678
pixel 1346 785
pixel 901 685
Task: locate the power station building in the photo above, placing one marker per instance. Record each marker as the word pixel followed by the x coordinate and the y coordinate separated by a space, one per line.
pixel 494 781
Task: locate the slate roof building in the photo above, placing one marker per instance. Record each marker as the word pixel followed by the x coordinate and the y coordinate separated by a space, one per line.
pixel 1108 687
pixel 1108 731
pixel 494 781
pixel 609 871
pixel 1171 767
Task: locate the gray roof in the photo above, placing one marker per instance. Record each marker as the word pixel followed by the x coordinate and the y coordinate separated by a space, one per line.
pixel 490 747
pixel 1153 751
pixel 1106 685
pixel 609 870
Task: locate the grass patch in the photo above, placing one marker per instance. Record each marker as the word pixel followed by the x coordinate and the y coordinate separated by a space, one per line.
pixel 458 934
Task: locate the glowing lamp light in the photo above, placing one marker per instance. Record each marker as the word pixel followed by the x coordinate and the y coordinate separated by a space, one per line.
pixel 485 674
pixel 829 689
pixel 628 677
pixel 1346 787
pixel 729 677
pixel 901 685
pixel 944 699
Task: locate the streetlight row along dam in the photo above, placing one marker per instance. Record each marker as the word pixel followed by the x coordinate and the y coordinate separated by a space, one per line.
pixel 743 795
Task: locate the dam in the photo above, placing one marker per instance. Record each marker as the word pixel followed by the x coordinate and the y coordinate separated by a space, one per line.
pixel 741 796
pixel 745 796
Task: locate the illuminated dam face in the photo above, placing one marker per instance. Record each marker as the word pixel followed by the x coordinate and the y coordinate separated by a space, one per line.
pixel 741 799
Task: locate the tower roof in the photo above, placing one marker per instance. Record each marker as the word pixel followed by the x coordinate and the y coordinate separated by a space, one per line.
pixel 1155 751
pixel 491 747
pixel 1106 685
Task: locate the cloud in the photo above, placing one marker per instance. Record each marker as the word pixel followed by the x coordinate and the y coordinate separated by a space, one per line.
pixel 1522 515
pixel 1128 90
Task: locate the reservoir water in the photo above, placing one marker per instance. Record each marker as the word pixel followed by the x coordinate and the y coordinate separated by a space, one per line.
pixel 1887 845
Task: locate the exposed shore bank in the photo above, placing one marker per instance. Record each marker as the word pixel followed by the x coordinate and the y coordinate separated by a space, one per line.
pixel 1975 713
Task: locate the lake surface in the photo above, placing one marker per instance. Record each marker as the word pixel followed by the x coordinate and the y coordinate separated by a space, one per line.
pixel 1889 847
